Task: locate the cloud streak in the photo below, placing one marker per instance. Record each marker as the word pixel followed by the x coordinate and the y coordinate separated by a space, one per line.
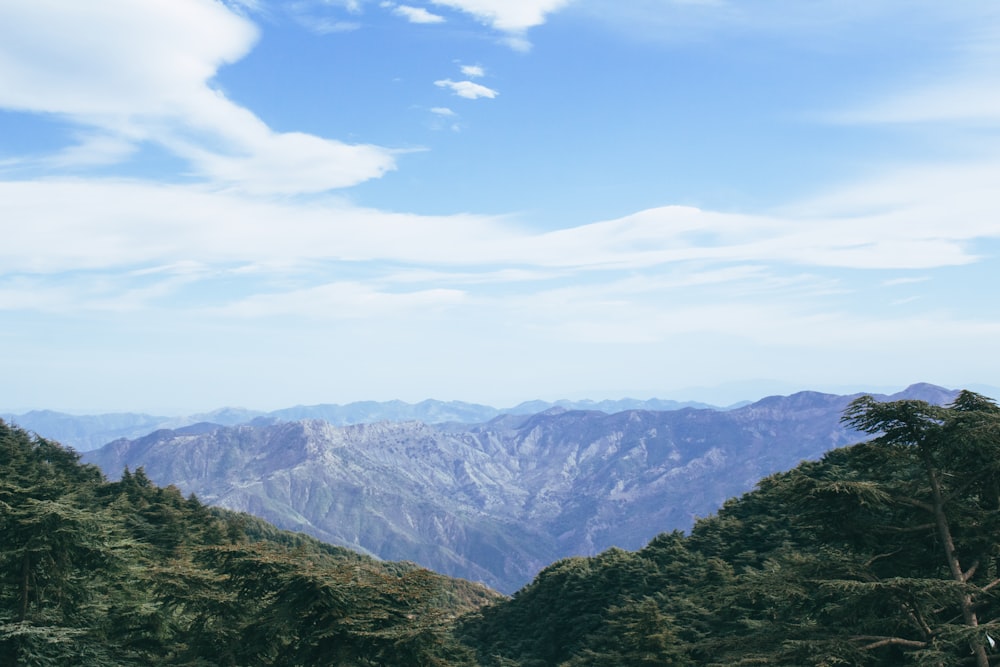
pixel 514 16
pixel 415 14
pixel 343 300
pixel 893 223
pixel 467 89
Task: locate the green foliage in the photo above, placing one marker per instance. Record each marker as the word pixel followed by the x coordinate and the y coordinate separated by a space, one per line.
pixel 127 573
pixel 885 553
pixel 882 554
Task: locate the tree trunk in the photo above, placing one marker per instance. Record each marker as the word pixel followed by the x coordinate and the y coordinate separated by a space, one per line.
pixel 25 574
pixel 944 532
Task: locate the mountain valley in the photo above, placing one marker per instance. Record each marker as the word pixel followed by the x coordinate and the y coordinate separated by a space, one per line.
pixel 497 501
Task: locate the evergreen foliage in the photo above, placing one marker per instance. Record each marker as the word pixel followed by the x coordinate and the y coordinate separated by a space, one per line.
pixel 127 573
pixel 881 554
pixel 884 553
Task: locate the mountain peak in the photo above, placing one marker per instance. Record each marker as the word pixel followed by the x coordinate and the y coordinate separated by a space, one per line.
pixel 924 391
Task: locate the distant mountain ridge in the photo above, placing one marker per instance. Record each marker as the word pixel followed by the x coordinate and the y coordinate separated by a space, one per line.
pixel 495 501
pixel 86 432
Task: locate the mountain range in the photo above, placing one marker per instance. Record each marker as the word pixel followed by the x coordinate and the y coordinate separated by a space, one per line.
pixel 86 432
pixel 498 500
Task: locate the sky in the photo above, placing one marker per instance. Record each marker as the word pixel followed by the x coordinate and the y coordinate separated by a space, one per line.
pixel 267 203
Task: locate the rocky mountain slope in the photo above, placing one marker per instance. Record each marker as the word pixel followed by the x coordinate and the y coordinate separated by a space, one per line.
pixel 494 502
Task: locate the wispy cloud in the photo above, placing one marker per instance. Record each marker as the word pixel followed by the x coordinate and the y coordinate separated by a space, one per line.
pixel 414 14
pixel 246 6
pixel 905 281
pixel 100 291
pixel 94 149
pixel 512 18
pixel 972 100
pixel 473 71
pixel 148 80
pixel 324 25
pixel 891 223
pixel 350 6
pixel 443 111
pixel 507 15
pixel 467 89
pixel 820 24
pixel 342 300
pixel 962 89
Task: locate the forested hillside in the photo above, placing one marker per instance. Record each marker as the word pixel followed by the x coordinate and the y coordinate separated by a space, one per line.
pixel 884 553
pixel 125 573
pixel 881 554
pixel 495 502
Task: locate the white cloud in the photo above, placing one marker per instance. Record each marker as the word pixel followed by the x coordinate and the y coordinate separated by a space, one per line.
pixel 772 323
pixel 98 291
pixel 351 6
pixel 114 57
pixel 905 281
pixel 975 100
pixel 507 15
pixel 140 72
pixel 107 224
pixel 517 42
pixel 818 24
pixel 442 111
pixel 417 14
pixel 744 289
pixel 246 6
pixel 327 26
pixel 290 162
pixel 343 300
pixel 473 71
pixel 467 89
pixel 476 277
pixel 962 89
pixel 913 219
pixel 93 149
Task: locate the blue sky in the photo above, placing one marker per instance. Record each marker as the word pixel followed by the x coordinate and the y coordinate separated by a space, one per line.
pixel 267 203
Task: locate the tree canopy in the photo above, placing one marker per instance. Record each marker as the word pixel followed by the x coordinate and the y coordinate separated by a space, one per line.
pixel 881 554
pixel 127 573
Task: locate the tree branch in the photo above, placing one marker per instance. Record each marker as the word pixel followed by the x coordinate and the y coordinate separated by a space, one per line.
pixel 911 529
pixel 992 584
pixel 888 641
pixel 959 490
pixel 913 502
pixel 913 611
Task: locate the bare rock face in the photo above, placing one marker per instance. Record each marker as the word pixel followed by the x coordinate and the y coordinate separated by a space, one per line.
pixel 494 502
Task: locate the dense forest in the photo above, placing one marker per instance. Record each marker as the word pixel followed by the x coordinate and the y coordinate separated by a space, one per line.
pixel 125 573
pixel 883 553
